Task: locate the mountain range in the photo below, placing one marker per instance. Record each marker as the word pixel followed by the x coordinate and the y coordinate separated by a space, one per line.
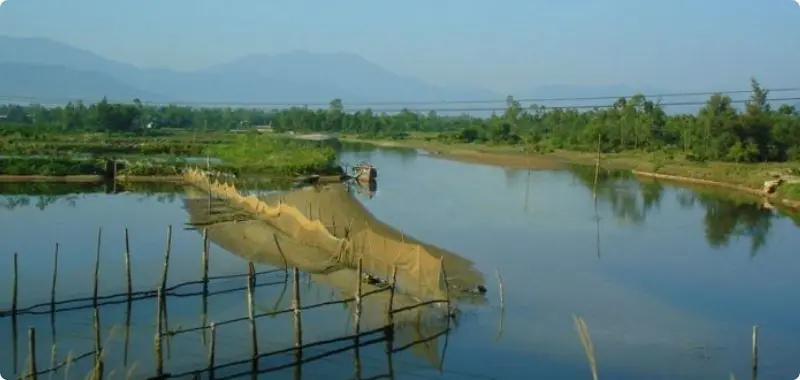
pixel 51 72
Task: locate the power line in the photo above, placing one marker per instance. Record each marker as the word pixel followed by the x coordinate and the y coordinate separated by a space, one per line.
pixel 288 104
pixel 491 109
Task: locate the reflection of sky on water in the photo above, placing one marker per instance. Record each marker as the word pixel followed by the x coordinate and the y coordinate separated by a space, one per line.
pixel 32 232
pixel 661 298
pixel 680 279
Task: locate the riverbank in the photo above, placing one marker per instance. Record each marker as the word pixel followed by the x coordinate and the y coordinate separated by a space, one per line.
pixel 88 178
pixel 748 178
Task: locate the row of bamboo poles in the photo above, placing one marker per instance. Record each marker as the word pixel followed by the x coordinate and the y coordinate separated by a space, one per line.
pixel 161 326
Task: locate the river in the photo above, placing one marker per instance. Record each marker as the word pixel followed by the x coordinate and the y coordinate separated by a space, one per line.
pixel 669 280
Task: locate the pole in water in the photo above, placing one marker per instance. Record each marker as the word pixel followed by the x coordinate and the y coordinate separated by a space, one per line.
pixel 14 286
pixel 166 258
pixel 500 289
pixel 32 353
pixel 251 313
pixel 211 350
pixel 55 280
pixel 157 343
pixel 97 266
pixel 754 352
pixel 298 324
pixel 128 279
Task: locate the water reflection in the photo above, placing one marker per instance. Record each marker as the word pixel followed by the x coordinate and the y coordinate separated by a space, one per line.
pixel 369 188
pixel 16 195
pixel 725 217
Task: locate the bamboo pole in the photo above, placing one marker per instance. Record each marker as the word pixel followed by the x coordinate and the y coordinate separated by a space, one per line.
pixel 359 291
pixel 298 323
pixel 392 290
pixel 251 313
pixel 55 281
pixel 127 342
pixel 97 266
pixel 128 279
pixel 389 332
pixel 165 273
pixel 157 342
pixel 205 260
pixel 500 289
pixel 211 350
pixel 97 368
pixel 446 285
pixel 14 286
pixel 754 352
pixel 32 353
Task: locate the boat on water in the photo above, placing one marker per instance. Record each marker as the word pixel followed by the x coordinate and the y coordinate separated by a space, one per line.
pixel 365 172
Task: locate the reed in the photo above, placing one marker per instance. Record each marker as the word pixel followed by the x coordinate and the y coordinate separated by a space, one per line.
pixel 586 341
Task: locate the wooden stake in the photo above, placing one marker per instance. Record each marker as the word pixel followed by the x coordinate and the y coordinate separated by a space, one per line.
pixel 98 349
pixel 754 352
pixel 359 291
pixel 97 266
pixel 14 286
pixel 55 280
pixel 446 284
pixel 211 348
pixel 251 311
pixel 159 357
pixel 298 323
pixel 32 352
pixel 205 260
pixel 128 279
pixel 500 289
pixel 166 259
pixel 392 289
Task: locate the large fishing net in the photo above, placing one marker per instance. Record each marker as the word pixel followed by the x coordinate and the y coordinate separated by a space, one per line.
pixel 340 230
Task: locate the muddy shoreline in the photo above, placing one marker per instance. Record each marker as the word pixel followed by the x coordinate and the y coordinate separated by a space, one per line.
pixel 557 161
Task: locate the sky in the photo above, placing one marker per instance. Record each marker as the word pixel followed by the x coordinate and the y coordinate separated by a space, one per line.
pixel 503 45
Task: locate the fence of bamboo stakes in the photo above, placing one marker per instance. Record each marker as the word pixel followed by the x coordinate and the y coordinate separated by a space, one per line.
pixel 162 330
pixel 296 309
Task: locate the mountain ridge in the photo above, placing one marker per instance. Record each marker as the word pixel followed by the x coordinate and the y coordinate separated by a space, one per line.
pixel 298 77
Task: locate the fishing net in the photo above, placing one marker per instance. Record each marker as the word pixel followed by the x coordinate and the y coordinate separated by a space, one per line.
pixel 329 219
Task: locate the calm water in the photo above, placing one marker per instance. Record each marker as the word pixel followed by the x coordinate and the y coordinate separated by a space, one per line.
pixel 669 281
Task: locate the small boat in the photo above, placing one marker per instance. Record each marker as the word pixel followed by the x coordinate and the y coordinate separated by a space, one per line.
pixel 365 172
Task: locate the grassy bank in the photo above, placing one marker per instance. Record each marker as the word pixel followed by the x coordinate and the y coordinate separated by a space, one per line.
pixel 738 176
pixel 78 156
pixel 258 154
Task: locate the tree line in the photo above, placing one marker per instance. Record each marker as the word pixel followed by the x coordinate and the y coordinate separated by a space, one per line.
pixel 718 131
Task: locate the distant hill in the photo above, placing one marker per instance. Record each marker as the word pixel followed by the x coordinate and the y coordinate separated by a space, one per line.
pixel 287 78
pixel 55 84
pixel 366 81
pixel 35 67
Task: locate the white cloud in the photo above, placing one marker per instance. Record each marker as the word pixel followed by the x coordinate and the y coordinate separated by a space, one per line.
pixel 3 1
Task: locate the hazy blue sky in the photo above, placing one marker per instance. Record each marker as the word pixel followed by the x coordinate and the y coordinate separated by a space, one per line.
pixel 504 45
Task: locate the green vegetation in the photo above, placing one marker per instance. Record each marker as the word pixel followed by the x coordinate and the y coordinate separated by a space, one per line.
pixel 41 149
pixel 54 166
pixel 719 143
pixel 255 154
